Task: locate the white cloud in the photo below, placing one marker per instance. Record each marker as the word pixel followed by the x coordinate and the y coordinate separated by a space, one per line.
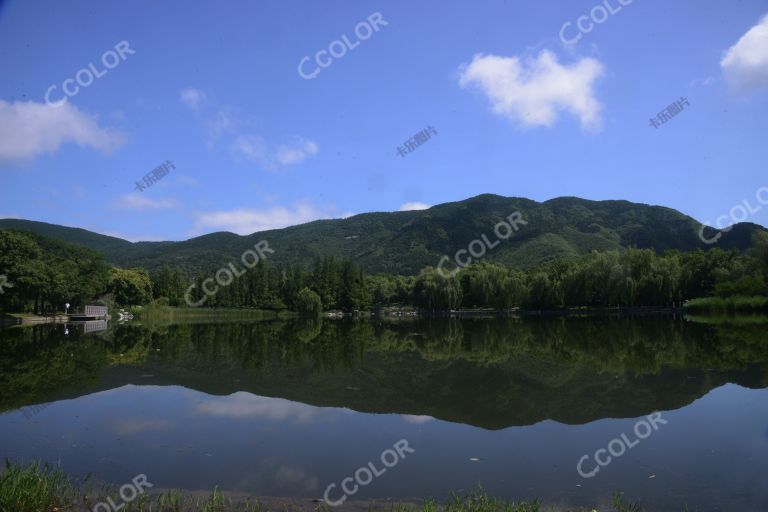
pixel 405 207
pixel 533 93
pixel 192 98
pixel 702 82
pixel 242 405
pixel 256 149
pixel 246 221
pixel 223 123
pixel 29 129
pixel 296 153
pixel 745 64
pixel 187 181
pixel 137 201
pixel 252 147
pixel 416 419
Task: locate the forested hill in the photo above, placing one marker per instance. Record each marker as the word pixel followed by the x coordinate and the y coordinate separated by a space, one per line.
pixel 406 242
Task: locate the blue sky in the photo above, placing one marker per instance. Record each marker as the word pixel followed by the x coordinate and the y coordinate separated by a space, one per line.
pixel 215 88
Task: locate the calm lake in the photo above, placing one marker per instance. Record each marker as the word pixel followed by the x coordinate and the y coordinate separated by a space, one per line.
pixel 288 407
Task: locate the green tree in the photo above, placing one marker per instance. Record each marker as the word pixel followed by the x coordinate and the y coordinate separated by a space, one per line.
pixel 433 292
pixel 308 302
pixel 543 291
pixel 130 286
pixel 383 289
pixel 46 273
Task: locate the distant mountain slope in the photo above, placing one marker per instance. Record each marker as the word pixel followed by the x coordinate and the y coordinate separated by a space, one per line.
pixel 406 242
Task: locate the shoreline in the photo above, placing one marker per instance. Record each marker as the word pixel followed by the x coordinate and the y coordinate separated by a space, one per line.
pixel 173 313
pixel 37 486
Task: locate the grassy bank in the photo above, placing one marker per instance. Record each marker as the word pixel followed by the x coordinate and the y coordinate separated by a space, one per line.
pixel 37 487
pixel 727 305
pixel 174 314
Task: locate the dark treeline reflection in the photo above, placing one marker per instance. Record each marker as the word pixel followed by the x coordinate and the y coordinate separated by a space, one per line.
pixel 487 372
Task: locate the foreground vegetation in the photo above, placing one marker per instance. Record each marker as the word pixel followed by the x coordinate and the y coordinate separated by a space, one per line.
pixel 46 273
pixel 155 311
pixel 37 487
pixel 728 305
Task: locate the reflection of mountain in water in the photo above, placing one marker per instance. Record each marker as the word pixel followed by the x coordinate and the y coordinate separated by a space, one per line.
pixel 491 373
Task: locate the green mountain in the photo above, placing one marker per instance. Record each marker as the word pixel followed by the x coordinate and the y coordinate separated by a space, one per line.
pixel 406 242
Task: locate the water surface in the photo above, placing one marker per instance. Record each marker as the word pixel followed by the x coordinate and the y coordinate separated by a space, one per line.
pixel 285 408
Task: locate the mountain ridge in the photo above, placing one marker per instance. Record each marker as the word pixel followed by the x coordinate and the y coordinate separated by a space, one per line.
pixel 405 242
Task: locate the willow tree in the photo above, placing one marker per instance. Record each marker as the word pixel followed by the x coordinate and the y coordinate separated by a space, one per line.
pixel 433 292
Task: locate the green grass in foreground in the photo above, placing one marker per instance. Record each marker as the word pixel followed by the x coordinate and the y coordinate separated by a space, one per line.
pixel 37 487
pixel 156 313
pixel 23 315
pixel 728 305
pixel 738 319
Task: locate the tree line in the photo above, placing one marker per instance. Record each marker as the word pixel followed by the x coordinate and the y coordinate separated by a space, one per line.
pixel 46 273
pixel 43 274
pixel 630 278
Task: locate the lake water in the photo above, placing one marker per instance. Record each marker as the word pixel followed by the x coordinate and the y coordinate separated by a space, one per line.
pixel 286 408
